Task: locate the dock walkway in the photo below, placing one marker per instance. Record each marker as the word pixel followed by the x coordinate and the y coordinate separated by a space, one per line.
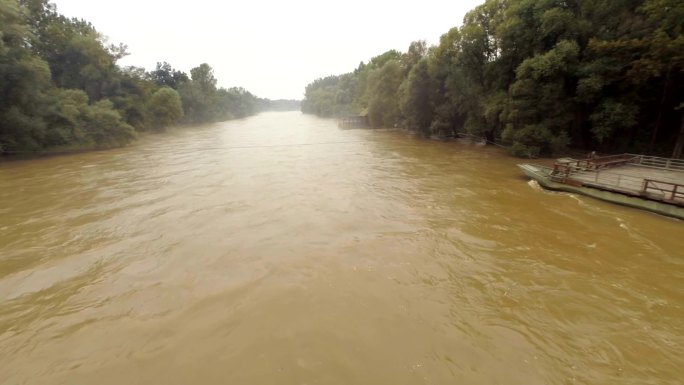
pixel 660 179
pixel 353 122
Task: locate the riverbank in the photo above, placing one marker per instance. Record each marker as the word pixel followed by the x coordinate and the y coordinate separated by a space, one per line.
pixel 479 141
pixel 85 148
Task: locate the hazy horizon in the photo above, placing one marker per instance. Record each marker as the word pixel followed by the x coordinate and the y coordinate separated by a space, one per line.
pixel 271 49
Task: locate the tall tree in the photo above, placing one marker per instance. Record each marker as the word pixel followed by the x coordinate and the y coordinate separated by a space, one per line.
pixel 416 105
pixel 24 78
pixel 166 107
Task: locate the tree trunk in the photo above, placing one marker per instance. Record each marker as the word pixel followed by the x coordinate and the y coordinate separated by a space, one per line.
pixel 659 120
pixel 679 145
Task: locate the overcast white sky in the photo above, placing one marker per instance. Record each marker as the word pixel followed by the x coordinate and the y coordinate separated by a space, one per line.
pixel 272 48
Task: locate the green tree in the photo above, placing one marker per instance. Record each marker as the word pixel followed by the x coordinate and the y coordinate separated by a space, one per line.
pixel 165 76
pixel 203 76
pixel 664 59
pixel 199 95
pixel 132 95
pixel 65 117
pixel 383 94
pixel 166 107
pixel 321 96
pixel 60 86
pixel 235 102
pixel 105 127
pixel 540 74
pixel 442 66
pixel 24 79
pixel 415 102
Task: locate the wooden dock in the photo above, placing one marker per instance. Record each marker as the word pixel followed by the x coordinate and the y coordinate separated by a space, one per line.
pixel 648 177
pixel 355 121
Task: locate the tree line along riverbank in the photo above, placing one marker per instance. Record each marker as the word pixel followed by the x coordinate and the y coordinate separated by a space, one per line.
pixel 539 76
pixel 61 87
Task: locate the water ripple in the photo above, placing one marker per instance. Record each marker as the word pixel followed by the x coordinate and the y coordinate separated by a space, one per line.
pixel 233 253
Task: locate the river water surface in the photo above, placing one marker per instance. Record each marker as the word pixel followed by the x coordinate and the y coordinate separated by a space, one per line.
pixel 282 250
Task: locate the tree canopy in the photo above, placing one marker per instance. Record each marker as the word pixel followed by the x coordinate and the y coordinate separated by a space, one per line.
pixel 537 75
pixel 61 86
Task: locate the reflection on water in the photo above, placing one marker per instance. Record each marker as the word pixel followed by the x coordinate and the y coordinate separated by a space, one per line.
pixel 280 249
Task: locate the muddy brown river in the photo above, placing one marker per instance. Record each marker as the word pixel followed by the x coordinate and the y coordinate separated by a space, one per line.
pixel 280 249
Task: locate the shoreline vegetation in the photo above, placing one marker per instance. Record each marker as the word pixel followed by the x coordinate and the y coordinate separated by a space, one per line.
pixel 540 77
pixel 61 89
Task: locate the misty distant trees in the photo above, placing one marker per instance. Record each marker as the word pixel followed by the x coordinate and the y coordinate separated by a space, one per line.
pixel 280 105
pixel 537 75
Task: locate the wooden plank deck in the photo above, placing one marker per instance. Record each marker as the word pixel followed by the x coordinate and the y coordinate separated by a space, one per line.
pixel 354 122
pixel 634 178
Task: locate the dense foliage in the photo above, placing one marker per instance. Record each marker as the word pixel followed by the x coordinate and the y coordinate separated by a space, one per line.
pixel 539 75
pixel 60 86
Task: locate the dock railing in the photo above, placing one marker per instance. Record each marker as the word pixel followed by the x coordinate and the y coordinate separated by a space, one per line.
pixel 353 122
pixel 564 170
pixel 657 162
pixel 567 168
pixel 663 190
pixel 616 181
pixel 597 172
